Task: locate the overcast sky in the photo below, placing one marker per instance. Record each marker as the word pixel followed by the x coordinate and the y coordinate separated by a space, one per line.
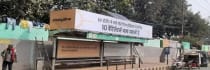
pixel 202 6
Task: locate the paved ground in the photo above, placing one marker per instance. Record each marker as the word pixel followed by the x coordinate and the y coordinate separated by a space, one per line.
pixel 205 68
pixel 208 68
pixel 202 68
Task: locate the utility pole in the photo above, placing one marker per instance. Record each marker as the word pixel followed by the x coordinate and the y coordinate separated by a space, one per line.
pixel 182 17
pixel 182 47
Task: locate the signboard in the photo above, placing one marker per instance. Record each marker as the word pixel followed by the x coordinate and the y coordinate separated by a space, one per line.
pixel 92 22
pixel 116 49
pixel 186 45
pixel 114 38
pixel 77 49
pixel 23 34
pixel 63 19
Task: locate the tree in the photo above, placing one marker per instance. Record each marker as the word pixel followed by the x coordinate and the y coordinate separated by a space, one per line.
pixel 26 9
pixel 166 16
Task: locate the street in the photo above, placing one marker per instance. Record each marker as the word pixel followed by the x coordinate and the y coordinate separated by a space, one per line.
pixel 202 68
pixel 205 68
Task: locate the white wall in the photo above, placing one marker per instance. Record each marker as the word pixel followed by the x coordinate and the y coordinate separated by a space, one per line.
pixel 152 54
pixel 24 51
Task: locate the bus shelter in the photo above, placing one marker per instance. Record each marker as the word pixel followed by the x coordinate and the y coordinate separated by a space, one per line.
pixel 85 37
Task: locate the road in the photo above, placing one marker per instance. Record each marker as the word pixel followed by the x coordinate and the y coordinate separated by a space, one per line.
pixel 202 68
pixel 205 68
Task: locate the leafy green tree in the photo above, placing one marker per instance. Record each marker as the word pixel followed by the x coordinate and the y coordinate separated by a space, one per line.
pixel 166 16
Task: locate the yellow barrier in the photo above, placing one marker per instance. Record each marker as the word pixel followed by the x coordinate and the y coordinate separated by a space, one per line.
pixel 5 41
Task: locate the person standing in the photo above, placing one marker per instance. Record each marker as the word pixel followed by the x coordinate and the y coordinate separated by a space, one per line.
pixel 8 56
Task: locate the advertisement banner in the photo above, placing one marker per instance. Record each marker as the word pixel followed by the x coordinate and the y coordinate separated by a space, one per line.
pixel 92 22
pixel 114 38
pixel 62 19
pixel 88 21
pixel 115 49
pixel 77 49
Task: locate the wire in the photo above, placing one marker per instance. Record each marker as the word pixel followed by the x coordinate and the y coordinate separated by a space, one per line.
pixel 195 8
pixel 207 2
pixel 204 8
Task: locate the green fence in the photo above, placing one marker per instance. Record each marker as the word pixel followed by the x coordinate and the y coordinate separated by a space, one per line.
pixel 186 45
pixel 152 43
pixel 23 34
pixel 205 48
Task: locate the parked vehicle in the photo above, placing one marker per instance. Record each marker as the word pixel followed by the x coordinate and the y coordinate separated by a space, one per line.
pixel 195 59
pixel 191 59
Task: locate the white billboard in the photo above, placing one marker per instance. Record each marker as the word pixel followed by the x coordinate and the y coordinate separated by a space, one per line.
pixel 87 21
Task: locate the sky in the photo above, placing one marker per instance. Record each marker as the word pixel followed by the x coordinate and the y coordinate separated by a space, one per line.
pixel 202 6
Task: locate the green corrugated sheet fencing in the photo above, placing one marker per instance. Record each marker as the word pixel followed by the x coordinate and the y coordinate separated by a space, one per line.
pixel 23 34
pixel 186 45
pixel 152 43
pixel 205 48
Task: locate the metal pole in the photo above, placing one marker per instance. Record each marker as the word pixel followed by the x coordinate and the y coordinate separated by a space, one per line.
pixel 182 17
pixel 54 53
pixel 35 55
pixel 131 53
pixel 124 63
pixel 101 53
pixel 139 62
pixel 167 59
pixel 116 67
pixel 131 50
pixel 132 62
pixel 107 65
pixel 131 45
